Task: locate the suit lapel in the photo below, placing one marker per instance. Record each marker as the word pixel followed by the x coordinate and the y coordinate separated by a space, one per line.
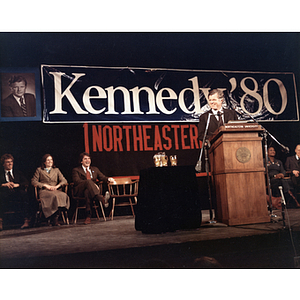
pixel 213 119
pixel 16 107
pixel 81 171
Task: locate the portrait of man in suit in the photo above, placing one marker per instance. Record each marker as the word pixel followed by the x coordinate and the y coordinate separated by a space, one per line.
pixel 18 103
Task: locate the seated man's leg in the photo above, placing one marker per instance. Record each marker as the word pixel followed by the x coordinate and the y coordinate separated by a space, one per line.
pixel 88 212
pixel 91 191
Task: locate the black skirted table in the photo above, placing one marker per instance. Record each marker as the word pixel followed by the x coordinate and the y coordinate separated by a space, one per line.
pixel 168 200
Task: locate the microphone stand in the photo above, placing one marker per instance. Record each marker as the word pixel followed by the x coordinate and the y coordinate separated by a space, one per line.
pixel 198 167
pixel 265 133
pixel 283 206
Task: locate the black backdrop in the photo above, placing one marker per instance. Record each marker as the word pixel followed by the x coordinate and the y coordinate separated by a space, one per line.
pixel 28 141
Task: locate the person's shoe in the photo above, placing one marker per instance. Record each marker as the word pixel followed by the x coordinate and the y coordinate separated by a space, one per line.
pixel 26 224
pixel 106 198
pixel 87 221
pixel 55 221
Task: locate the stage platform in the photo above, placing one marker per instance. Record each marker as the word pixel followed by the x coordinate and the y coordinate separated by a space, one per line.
pixel 116 244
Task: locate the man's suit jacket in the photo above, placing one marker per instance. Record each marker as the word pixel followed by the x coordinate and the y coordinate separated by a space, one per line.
pixel 229 114
pixel 11 108
pixel 18 178
pixel 292 163
pixel 79 177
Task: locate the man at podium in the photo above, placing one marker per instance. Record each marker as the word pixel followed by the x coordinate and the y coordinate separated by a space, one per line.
pixel 219 115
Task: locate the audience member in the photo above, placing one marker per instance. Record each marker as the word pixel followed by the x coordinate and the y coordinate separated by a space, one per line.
pixel 85 178
pixel 50 180
pixel 206 262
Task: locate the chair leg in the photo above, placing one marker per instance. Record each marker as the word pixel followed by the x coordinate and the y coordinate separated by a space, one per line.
pixel 38 215
pixel 76 214
pixel 101 206
pixel 67 218
pixel 96 210
pixel 132 210
pixel 63 217
pixel 111 214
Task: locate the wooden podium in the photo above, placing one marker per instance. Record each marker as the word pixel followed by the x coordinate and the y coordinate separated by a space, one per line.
pixel 238 174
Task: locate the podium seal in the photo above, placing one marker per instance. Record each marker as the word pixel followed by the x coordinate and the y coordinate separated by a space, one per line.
pixel 243 154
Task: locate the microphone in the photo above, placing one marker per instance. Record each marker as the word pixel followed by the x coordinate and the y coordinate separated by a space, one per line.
pixel 282 195
pixel 239 110
pixel 198 166
pixel 285 149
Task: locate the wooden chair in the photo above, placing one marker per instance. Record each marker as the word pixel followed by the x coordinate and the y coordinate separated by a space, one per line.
pixel 123 188
pixel 64 213
pixel 80 204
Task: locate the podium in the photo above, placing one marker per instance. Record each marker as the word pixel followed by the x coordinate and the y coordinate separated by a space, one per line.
pixel 238 174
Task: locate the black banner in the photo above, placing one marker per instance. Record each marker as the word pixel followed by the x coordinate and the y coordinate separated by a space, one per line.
pixel 103 95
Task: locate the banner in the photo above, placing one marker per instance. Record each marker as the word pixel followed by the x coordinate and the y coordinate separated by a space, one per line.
pixel 125 149
pixel 117 95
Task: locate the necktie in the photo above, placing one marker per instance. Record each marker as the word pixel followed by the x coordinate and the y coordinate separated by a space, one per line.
pixel 88 175
pixel 23 106
pixel 220 122
pixel 10 178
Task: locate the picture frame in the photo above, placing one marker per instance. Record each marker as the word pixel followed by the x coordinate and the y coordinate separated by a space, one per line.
pixel 8 102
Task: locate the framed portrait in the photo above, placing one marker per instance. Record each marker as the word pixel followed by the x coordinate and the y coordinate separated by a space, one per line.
pixel 20 95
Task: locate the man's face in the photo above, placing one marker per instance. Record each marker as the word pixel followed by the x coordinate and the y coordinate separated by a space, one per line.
pixel 297 150
pixel 18 88
pixel 86 161
pixel 8 164
pixel 215 102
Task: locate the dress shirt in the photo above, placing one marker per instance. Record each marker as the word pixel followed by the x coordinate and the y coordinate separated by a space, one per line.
pixel 19 100
pixel 215 112
pixel 6 174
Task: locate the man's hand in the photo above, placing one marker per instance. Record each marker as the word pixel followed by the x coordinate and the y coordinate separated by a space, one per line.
pixel 279 175
pixel 111 180
pixel 11 185
pixel 296 173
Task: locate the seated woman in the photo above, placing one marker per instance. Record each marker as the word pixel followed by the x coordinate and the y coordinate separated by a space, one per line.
pixel 49 180
pixel 277 177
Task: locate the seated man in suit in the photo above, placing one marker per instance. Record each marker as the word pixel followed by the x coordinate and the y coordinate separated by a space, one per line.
pixel 219 116
pixel 292 164
pixel 13 193
pixel 84 178
pixel 18 103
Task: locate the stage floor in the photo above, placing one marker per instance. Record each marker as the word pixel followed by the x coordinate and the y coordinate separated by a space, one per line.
pixel 116 244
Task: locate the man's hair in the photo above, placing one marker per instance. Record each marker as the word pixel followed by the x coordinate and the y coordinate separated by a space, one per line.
pixel 81 155
pixel 17 78
pixel 218 91
pixel 6 156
